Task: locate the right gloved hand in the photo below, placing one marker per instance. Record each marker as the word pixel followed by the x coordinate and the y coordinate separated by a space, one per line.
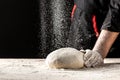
pixel 92 58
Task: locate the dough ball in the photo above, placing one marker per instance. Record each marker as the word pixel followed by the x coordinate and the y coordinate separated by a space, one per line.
pixel 68 58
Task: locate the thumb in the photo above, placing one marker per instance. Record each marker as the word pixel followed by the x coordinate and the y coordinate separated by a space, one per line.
pixel 87 55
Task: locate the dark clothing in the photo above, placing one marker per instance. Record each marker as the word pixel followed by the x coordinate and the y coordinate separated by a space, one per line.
pixel 112 21
pixel 82 34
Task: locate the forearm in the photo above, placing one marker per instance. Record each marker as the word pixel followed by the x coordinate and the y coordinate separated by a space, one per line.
pixel 104 42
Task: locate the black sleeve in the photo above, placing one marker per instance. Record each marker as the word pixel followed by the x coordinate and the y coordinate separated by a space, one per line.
pixel 112 21
pixel 81 33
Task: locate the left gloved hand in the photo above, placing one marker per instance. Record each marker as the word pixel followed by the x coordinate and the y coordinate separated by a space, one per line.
pixel 93 58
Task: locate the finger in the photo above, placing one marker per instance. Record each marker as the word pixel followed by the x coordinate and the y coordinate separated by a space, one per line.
pixel 87 55
pixel 95 60
pixel 87 65
pixel 98 62
pixel 83 51
pixel 95 64
pixel 90 61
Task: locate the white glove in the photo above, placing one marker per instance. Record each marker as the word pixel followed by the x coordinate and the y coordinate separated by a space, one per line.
pixel 93 58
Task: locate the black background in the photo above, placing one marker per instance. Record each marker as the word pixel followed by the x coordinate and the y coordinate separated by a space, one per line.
pixel 34 28
pixel 18 28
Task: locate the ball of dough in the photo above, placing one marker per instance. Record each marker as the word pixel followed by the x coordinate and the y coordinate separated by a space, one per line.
pixel 68 58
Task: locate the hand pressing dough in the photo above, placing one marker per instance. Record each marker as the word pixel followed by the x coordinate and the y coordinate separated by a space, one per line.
pixel 69 58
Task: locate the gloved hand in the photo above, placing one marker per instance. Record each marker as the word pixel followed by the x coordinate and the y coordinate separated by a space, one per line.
pixel 93 58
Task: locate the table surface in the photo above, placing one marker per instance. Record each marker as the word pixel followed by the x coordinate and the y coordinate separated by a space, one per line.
pixel 35 69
